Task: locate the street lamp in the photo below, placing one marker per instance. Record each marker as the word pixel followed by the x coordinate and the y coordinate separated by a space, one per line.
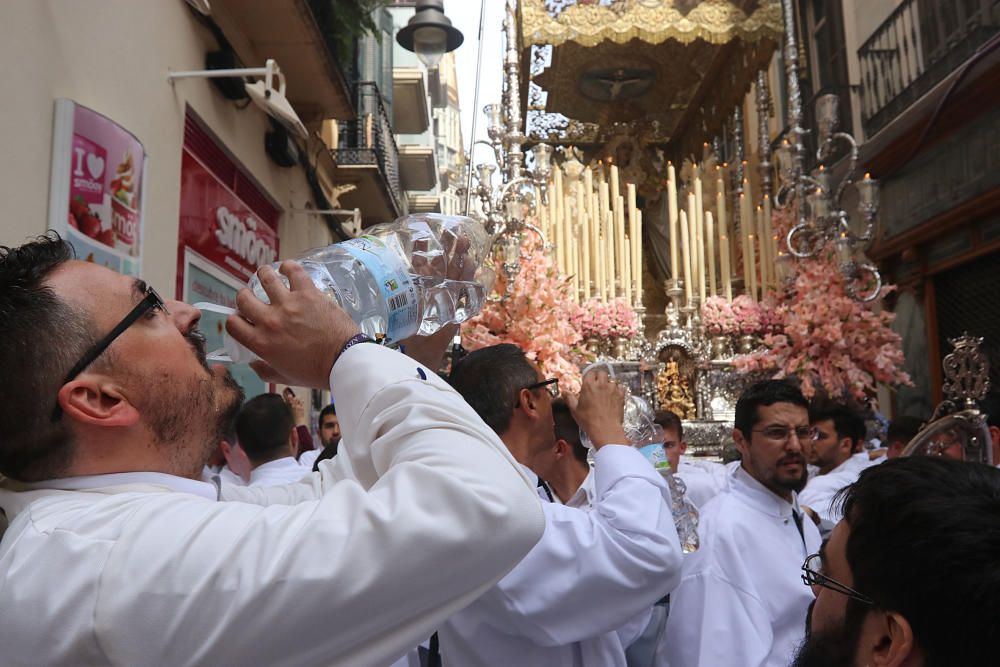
pixel 429 33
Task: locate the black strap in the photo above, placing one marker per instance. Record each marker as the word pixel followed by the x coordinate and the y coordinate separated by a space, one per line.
pixel 545 487
pixel 797 516
pixel 434 652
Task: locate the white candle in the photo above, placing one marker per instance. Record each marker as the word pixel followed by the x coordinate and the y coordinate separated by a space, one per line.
pixel 692 218
pixel 710 243
pixel 746 227
pixel 615 188
pixel 672 219
pixel 633 241
pixel 771 240
pixel 686 250
pixel 638 265
pixel 620 246
pixel 753 268
pixel 727 285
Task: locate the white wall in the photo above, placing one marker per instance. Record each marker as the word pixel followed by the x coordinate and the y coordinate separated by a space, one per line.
pixel 113 56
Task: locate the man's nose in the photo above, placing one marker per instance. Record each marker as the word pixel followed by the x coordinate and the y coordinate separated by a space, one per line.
pixel 184 315
pixel 793 443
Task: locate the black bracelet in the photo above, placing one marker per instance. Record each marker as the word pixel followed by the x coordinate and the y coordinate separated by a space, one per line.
pixel 354 340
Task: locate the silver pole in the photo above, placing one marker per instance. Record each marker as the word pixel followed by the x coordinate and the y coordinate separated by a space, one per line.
pixel 475 106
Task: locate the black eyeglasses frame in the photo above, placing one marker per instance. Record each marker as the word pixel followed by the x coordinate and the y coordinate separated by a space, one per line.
pixel 813 577
pixel 149 302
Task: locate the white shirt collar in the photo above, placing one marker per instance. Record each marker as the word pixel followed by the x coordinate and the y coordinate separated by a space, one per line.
pixel 762 498
pixel 584 496
pixel 87 482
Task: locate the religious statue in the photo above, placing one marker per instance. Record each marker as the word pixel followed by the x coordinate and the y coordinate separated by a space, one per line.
pixel 674 392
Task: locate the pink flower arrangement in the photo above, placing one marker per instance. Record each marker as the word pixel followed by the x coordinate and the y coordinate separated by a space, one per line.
pixel 717 316
pixel 610 319
pixel 537 317
pixel 826 338
pixel 747 315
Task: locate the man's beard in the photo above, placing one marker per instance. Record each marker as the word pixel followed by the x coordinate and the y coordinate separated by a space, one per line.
pixel 789 484
pixel 201 412
pixel 832 648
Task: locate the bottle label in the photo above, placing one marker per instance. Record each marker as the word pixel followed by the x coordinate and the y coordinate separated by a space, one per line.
pixel 655 455
pixel 394 283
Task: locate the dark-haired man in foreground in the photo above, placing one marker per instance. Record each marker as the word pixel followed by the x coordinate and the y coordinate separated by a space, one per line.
pixel 740 600
pixel 909 577
pixel 114 541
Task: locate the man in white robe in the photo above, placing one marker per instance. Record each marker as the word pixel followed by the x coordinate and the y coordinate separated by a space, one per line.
pixel 741 601
pixel 585 591
pixel 116 554
pixel 702 479
pixel 267 433
pixel 839 453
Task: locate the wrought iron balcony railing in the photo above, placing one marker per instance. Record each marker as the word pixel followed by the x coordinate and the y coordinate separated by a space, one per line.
pixel 368 140
pixel 920 43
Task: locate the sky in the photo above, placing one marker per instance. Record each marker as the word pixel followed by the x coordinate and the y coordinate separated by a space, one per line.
pixel 464 15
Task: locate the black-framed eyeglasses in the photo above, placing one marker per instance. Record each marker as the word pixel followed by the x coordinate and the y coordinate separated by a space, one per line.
pixel 149 302
pixel 551 385
pixel 784 433
pixel 811 576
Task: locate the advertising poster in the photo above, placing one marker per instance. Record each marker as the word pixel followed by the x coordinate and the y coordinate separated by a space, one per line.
pixel 221 244
pixel 203 282
pixel 95 198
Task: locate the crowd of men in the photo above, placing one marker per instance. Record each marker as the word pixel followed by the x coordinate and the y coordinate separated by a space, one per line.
pixel 155 518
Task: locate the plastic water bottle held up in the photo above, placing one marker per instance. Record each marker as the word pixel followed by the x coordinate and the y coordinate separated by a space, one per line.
pixel 410 276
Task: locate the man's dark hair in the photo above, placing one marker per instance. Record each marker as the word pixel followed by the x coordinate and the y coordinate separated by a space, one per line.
pixel 764 394
pixel 668 421
pixel 264 425
pixel 846 421
pixel 41 337
pixel 903 429
pixel 924 542
pixel 567 429
pixel 489 380
pixel 328 410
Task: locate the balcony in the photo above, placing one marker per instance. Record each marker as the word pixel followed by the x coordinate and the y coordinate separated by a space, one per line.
pixel 409 101
pixel 296 34
pixel 365 153
pixel 920 43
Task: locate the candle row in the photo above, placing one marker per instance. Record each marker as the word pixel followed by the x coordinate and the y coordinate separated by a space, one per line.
pixel 596 233
pixel 701 252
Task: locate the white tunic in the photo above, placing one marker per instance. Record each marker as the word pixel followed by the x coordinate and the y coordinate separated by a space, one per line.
pixel 152 570
pixel 822 489
pixel 285 470
pixel 702 479
pixel 741 601
pixel 592 574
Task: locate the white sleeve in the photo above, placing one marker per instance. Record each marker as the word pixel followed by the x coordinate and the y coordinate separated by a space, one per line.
pixel 818 496
pixel 438 516
pixel 713 622
pixel 593 571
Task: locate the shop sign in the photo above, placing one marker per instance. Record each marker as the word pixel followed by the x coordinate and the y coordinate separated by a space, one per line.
pixel 96 189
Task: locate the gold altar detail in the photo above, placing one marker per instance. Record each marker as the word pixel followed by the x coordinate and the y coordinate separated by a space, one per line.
pixel 714 21
pixel 674 392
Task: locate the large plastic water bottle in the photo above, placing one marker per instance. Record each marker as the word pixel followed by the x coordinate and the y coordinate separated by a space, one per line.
pixel 410 276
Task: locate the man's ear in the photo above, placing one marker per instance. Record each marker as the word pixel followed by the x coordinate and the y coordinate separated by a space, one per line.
pixel 742 446
pixel 682 446
pixel 528 402
pixel 562 449
pixel 887 640
pixel 96 401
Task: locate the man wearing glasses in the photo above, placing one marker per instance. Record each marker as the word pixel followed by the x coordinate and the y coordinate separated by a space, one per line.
pixel 909 577
pixel 585 592
pixel 740 600
pixel 838 451
pixel 117 553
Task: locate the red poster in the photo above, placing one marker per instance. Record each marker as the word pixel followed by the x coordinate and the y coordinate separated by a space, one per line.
pixel 98 173
pixel 217 225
